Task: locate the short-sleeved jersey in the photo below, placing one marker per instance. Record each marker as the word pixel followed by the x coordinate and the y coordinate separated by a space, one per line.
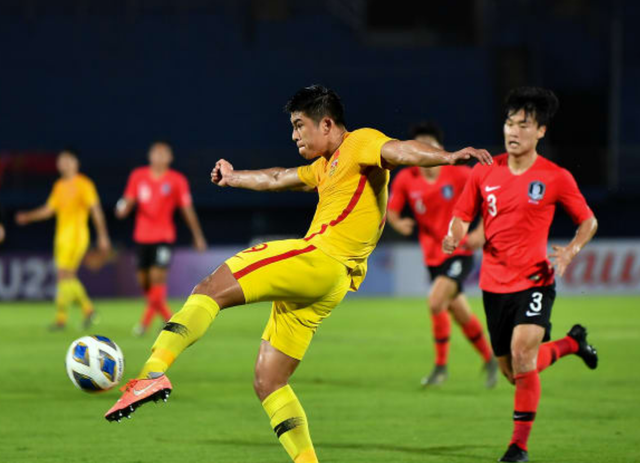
pixel 352 190
pixel 72 199
pixel 517 212
pixel 157 200
pixel 432 205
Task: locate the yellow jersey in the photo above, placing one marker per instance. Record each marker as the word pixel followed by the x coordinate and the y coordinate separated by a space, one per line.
pixel 352 190
pixel 72 199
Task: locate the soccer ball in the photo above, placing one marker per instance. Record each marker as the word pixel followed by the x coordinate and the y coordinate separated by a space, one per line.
pixel 94 363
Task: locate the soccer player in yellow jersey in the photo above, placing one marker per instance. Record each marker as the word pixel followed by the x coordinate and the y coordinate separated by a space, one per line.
pixel 72 200
pixel 304 278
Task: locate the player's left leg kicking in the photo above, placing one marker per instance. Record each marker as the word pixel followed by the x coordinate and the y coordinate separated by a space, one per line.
pixel 307 285
pixel 527 356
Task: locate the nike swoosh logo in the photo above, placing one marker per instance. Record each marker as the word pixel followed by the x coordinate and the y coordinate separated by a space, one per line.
pixel 532 314
pixel 490 188
pixel 142 391
pixel 519 417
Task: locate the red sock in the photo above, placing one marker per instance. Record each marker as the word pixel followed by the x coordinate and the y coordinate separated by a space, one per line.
pixel 148 313
pixel 525 407
pixel 441 332
pixel 158 298
pixel 551 351
pixel 473 331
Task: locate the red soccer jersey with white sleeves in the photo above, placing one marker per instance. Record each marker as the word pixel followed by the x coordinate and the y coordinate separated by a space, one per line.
pixel 432 204
pixel 517 211
pixel 157 200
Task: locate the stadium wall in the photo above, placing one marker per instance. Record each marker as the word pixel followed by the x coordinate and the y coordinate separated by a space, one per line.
pixel 604 267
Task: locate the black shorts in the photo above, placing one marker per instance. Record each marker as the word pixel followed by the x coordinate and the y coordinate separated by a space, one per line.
pixel 456 268
pixel 506 311
pixel 154 255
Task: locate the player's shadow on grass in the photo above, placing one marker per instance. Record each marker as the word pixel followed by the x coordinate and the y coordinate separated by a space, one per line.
pixel 463 451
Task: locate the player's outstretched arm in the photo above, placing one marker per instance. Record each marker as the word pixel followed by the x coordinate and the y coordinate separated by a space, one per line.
pixel 191 219
pixel 414 153
pixel 42 213
pixel 100 224
pixel 457 229
pixel 274 179
pixel 563 255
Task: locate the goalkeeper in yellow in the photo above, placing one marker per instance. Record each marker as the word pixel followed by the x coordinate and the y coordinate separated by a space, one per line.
pixel 304 278
pixel 72 200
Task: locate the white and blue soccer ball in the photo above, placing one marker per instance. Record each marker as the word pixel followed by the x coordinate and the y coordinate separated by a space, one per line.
pixel 94 363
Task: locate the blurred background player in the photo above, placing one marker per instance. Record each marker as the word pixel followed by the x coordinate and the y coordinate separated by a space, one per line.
pixel 517 197
pixel 157 191
pixel 432 193
pixel 2 230
pixel 72 199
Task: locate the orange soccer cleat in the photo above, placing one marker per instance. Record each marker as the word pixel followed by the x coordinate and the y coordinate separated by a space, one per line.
pixel 138 392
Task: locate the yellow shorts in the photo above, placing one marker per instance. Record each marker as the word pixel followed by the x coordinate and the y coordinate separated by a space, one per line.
pixel 67 255
pixel 304 283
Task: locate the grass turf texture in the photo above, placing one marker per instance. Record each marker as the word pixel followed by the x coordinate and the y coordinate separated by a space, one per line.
pixel 358 384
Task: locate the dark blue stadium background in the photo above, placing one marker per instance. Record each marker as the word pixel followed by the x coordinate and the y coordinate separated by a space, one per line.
pixel 211 77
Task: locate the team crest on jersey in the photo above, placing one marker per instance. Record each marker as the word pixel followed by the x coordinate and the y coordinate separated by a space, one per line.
pixel 165 188
pixel 333 167
pixel 536 190
pixel 447 192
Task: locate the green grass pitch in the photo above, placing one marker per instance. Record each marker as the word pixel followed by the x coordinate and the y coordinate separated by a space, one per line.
pixel 359 385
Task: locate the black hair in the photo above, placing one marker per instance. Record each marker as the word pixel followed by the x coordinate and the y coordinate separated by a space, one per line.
pixel 317 102
pixel 70 150
pixel 429 128
pixel 539 103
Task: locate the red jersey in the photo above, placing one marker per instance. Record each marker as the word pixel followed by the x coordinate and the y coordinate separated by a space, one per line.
pixel 517 212
pixel 157 199
pixel 432 206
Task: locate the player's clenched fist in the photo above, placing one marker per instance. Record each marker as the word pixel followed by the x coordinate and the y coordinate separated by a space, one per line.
pixel 221 172
pixel 449 244
pixel 405 226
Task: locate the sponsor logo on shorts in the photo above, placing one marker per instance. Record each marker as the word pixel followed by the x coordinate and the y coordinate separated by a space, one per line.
pixel 163 255
pixel 455 269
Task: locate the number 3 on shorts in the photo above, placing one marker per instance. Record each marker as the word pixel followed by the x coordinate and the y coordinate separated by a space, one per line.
pixel 536 302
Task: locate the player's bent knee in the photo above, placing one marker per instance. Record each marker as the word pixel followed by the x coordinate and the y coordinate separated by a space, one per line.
pixel 222 287
pixel 437 305
pixel 264 385
pixel 523 359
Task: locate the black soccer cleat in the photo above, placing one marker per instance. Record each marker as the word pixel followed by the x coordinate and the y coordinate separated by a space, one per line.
pixel 586 351
pixel 515 454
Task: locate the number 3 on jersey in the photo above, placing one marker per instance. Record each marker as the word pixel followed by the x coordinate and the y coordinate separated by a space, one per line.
pixel 492 207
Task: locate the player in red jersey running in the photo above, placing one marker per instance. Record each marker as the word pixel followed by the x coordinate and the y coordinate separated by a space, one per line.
pixel 157 190
pixel 517 197
pixel 431 193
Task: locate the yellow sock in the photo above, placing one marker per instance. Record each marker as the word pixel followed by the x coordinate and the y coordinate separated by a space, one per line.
pixel 64 297
pixel 289 422
pixel 80 295
pixel 184 328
